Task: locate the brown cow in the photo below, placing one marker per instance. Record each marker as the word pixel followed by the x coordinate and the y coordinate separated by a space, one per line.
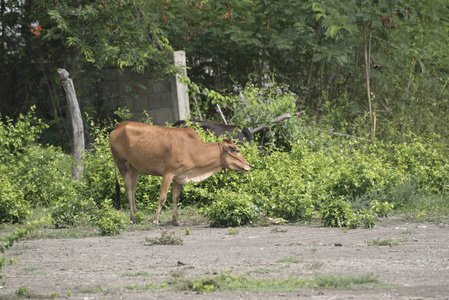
pixel 176 154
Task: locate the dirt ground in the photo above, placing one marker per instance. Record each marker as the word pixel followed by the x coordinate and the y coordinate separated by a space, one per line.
pixel 416 268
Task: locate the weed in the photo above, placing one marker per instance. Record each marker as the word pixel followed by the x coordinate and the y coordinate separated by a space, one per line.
pixel 316 265
pixel 386 242
pixel 345 281
pixel 177 274
pixel 138 274
pixel 188 230
pixel 22 291
pixel 139 217
pixel 276 229
pixel 230 283
pixel 65 233
pixel 31 270
pixel 131 287
pixel 96 290
pixel 233 231
pixel 167 238
pixel 265 271
pixel 408 231
pixel 291 260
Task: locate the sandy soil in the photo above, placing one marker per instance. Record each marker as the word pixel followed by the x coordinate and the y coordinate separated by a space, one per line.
pixel 416 268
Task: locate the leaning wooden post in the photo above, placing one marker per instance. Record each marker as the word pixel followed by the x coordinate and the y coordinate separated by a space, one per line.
pixel 77 124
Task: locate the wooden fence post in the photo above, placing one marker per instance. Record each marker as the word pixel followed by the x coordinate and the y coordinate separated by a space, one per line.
pixel 77 124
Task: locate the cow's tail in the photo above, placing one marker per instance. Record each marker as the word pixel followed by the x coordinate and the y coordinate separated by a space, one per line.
pixel 117 188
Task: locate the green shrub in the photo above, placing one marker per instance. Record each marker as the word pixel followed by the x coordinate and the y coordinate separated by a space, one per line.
pixel 13 207
pixel 367 218
pixel 231 209
pixel 110 221
pixel 44 174
pixel 381 209
pixel 67 211
pixel 256 106
pixel 99 174
pixel 16 137
pixel 338 213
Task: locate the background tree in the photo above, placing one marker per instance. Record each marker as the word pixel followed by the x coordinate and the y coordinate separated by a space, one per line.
pixel 81 36
pixel 362 67
pixel 318 49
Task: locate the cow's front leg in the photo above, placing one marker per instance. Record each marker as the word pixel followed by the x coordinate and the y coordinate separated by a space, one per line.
pixel 176 192
pixel 166 181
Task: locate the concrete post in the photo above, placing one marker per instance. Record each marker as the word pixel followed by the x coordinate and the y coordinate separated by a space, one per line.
pixel 179 94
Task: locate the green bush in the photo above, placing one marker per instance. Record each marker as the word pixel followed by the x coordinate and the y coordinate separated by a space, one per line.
pixel 339 213
pixel 254 106
pixel 67 211
pixel 381 209
pixel 281 188
pixel 16 137
pixel 13 207
pixel 231 209
pixel 98 174
pixel 110 221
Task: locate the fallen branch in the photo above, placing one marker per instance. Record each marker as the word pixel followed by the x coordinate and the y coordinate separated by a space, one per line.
pixel 275 120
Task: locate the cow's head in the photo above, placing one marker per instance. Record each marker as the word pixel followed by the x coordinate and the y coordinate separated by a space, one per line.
pixel 231 158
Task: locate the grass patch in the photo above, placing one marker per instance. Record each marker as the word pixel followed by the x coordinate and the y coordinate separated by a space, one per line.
pixel 276 229
pixel 228 282
pixel 139 274
pixel 66 233
pixel 95 290
pixel 316 264
pixel 24 293
pixel 346 281
pixel 290 260
pixel 167 238
pixel 233 231
pixel 386 242
pixel 187 215
pixel 32 271
pixel 266 271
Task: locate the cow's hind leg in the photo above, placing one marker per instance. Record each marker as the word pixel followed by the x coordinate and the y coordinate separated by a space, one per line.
pixel 166 181
pixel 130 176
pixel 176 192
pixel 134 180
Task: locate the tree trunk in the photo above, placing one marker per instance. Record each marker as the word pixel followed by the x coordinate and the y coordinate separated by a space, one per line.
pixel 77 124
pixel 262 64
pixel 309 78
pixel 367 45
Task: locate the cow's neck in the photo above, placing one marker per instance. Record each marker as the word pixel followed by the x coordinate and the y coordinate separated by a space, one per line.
pixel 207 163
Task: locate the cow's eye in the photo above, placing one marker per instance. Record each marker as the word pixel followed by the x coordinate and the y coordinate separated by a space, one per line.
pixel 238 151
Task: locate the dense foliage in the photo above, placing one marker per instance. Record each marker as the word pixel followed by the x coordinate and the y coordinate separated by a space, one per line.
pixel 359 66
pixel 339 179
pixel 377 68
pixel 365 83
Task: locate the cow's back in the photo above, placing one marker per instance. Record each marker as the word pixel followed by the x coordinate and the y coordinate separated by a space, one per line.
pixel 150 149
pixel 218 129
